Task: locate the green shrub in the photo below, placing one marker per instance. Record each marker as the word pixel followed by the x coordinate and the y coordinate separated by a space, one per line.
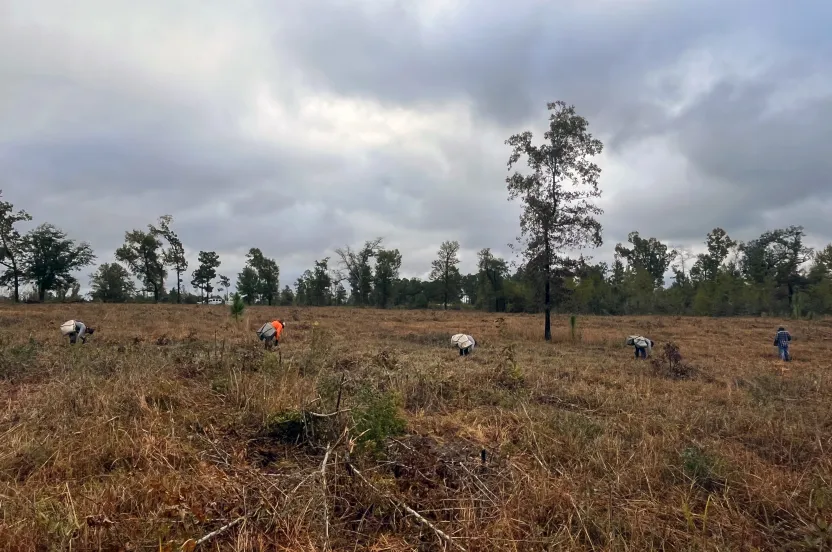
pixel 377 417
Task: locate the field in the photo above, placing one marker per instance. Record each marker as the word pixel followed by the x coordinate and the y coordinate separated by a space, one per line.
pixel 367 432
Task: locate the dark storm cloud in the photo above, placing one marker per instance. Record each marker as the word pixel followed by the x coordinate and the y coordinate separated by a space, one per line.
pixel 104 130
pixel 509 61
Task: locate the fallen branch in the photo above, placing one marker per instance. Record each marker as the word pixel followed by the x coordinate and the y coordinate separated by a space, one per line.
pixel 421 519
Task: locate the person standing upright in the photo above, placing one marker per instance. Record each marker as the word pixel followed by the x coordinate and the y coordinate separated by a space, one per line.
pixel 781 341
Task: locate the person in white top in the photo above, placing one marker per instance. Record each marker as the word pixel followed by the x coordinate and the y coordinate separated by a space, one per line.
pixel 75 329
pixel 465 343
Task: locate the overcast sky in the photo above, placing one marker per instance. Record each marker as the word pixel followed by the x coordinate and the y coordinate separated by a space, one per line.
pixel 302 126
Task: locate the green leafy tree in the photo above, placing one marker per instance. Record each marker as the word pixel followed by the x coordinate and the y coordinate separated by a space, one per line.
pixel 301 291
pixel 320 283
pixel 469 288
pixel 559 213
pixel 206 272
pixel 11 246
pixel 445 272
pixel 649 255
pixel 776 256
pixel 268 275
pixel 49 259
pixel 142 253
pixel 492 273
pixel 111 283
pixel 287 297
pixel 708 265
pixel 248 285
pixel 388 263
pixel 174 255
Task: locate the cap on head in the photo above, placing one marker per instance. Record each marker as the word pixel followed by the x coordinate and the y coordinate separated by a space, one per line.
pixel 90 331
pixel 781 329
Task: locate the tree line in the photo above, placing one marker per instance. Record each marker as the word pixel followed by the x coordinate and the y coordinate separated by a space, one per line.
pixel 774 273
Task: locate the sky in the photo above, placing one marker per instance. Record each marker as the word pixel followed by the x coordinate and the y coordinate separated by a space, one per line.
pixel 301 127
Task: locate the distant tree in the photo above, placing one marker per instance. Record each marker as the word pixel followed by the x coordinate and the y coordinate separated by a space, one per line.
pixel 707 265
pixel 469 288
pixel 287 297
pixel 142 253
pixel 649 255
pixel 11 246
pixel 340 294
pixel 823 260
pixel 49 259
pixel 359 272
pixel 319 284
pixel 268 275
pixel 777 256
pixel 492 272
pixel 388 263
pixel 301 292
pixel 174 255
pixel 111 283
pixel 248 285
pixel 225 284
pixel 556 217
pixel 445 270
pixel 205 273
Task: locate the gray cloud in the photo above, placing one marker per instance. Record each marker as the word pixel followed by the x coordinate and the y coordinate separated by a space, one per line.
pixel 300 127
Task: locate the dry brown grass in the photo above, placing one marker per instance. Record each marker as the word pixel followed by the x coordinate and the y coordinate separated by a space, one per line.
pixel 167 426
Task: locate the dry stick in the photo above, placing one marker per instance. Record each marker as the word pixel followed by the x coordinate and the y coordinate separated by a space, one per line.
pixel 331 414
pixel 219 531
pixel 340 388
pixel 439 533
pixel 329 450
pixel 326 507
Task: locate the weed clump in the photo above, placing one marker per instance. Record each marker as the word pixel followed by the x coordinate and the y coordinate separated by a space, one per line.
pixel 296 427
pixel 509 374
pixel 703 469
pixel 670 364
pixel 18 360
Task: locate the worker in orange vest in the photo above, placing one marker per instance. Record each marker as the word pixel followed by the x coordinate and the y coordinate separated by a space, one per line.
pixel 270 333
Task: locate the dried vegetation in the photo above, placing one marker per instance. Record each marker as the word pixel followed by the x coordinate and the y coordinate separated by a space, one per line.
pixel 172 429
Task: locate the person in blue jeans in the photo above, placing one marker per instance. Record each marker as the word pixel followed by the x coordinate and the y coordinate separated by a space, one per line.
pixel 781 341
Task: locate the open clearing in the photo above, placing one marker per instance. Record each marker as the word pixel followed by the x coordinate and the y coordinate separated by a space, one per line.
pixel 172 423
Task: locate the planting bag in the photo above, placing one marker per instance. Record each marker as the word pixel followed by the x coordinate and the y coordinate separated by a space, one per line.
pixel 68 327
pixel 266 330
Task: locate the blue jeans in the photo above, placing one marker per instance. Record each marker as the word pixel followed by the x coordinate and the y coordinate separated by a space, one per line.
pixel 642 351
pixel 784 353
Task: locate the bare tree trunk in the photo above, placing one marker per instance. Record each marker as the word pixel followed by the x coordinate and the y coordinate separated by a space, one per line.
pixel 547 327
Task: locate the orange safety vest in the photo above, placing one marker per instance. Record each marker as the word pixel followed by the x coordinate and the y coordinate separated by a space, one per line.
pixel 278 328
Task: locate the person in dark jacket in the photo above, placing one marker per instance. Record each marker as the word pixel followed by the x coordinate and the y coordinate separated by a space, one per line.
pixel 781 341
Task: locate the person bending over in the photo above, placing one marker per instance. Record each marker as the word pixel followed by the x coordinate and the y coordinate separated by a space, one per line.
pixel 465 343
pixel 74 330
pixel 270 333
